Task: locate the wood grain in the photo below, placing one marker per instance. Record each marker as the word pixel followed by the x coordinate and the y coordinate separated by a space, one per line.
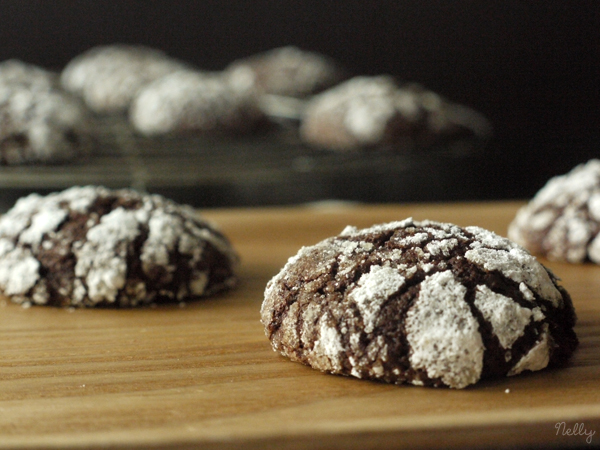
pixel 205 375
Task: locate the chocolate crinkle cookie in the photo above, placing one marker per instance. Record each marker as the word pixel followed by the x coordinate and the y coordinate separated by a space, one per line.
pixel 562 221
pixel 91 246
pixel 108 77
pixel 366 112
pixel 425 303
pixel 194 102
pixel 286 71
pixel 41 125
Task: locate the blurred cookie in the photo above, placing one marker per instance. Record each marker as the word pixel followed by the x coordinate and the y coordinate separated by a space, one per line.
pixel 41 125
pixel 366 112
pixel 562 221
pixel 286 71
pixel 425 303
pixel 189 101
pixel 108 77
pixel 91 246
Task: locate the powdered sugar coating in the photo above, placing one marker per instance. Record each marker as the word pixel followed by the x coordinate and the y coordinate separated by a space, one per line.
pixel 508 318
pixel 18 269
pixel 108 77
pixel 101 260
pixel 443 334
pixel 89 246
pixel 426 303
pixel 190 101
pixel 374 288
pixel 537 358
pixel 329 345
pixel 562 221
pixel 518 265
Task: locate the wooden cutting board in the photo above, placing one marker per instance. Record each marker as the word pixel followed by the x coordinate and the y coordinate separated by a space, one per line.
pixel 204 375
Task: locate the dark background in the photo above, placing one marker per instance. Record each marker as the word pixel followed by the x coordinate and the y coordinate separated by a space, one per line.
pixel 532 67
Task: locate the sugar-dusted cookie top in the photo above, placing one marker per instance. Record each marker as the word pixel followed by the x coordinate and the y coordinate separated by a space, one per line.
pixel 374 111
pixel 194 102
pixel 562 221
pixel 41 125
pixel 287 71
pixel 425 303
pixel 91 246
pixel 108 77
pixel 14 71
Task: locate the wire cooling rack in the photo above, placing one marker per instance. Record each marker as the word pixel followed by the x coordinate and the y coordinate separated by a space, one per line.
pixel 271 167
